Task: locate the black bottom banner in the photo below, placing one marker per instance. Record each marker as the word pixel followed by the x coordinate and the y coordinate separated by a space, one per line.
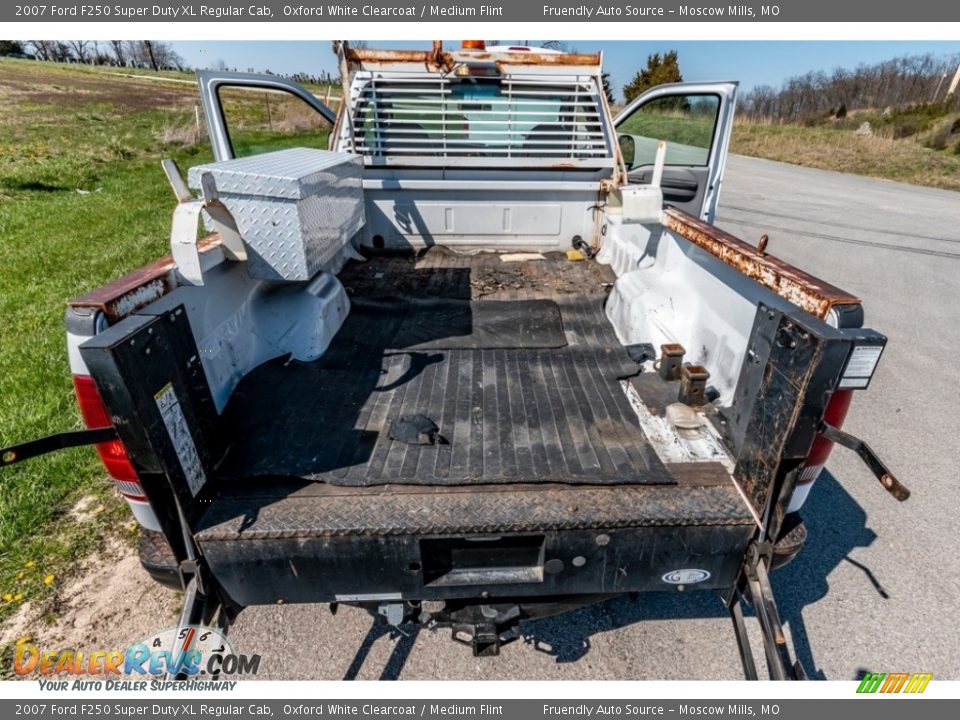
pixel 879 708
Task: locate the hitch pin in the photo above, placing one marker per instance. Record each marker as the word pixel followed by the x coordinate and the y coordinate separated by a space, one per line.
pixel 869 457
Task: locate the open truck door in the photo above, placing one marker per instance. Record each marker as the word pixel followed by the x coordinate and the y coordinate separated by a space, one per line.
pixel 695 121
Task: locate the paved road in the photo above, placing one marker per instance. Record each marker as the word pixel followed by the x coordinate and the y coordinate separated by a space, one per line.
pixel 877 586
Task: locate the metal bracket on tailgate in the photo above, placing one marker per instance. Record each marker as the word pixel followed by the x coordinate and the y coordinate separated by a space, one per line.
pixel 51 443
pixel 866 453
pixel 200 607
pixel 186 221
pixel 754 587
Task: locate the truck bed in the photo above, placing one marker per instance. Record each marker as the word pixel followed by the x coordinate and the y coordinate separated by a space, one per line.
pixel 514 361
pixel 544 483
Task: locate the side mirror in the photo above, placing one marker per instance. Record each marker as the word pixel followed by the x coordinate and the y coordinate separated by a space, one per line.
pixel 628 149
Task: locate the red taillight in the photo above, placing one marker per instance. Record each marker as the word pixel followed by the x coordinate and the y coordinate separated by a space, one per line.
pixel 113 453
pixel 834 414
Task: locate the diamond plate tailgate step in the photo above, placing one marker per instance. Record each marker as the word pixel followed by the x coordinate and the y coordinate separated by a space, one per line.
pixel 295 510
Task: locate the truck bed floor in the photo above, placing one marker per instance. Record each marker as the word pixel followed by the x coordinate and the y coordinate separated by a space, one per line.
pixel 515 362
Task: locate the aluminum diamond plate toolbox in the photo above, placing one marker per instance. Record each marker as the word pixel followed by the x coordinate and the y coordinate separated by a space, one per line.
pixel 295 209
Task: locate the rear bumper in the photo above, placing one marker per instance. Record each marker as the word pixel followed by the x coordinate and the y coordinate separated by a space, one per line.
pixel 258 572
pixel 157 558
pixel 327 544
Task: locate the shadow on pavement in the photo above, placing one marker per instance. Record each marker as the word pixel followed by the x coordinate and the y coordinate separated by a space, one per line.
pixel 406 638
pixel 836 525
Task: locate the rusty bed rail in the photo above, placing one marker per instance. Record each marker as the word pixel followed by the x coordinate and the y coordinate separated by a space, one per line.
pixel 801 288
pixel 139 288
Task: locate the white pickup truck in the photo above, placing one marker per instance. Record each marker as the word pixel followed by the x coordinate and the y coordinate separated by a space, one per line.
pixel 466 352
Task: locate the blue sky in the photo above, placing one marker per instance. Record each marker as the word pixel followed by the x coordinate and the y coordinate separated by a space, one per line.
pixel 751 62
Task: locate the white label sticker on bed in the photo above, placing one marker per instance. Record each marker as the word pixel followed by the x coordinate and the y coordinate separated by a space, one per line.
pixel 181 438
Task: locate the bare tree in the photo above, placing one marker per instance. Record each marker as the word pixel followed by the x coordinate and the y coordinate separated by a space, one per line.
pixel 81 49
pixel 156 55
pixel 119 51
pixel 889 84
pixel 61 51
pixel 561 45
pixel 150 54
pixel 42 49
pixel 54 50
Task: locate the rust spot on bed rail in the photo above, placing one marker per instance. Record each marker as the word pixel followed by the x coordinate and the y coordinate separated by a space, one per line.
pixel 434 59
pixel 561 59
pixel 139 288
pixel 802 289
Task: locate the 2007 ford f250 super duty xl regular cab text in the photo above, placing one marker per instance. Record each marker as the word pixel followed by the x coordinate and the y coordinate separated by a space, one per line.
pixel 481 356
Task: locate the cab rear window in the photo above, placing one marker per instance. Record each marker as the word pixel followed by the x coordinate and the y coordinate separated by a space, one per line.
pixel 450 117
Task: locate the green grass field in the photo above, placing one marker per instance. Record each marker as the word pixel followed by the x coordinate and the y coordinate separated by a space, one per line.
pixel 82 201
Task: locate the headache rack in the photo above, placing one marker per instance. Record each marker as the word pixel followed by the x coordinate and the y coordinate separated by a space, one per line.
pixel 528 119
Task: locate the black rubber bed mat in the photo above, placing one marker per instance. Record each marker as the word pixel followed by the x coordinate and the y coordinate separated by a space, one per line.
pixel 453 324
pixel 527 391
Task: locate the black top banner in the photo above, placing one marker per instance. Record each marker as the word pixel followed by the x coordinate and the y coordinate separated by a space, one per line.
pixel 471 11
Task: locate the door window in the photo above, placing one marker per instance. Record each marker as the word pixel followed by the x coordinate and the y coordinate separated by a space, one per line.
pixel 260 120
pixel 686 122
